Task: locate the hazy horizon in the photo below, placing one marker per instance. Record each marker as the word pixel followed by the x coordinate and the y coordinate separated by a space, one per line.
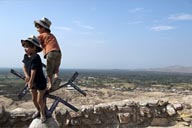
pixel 173 67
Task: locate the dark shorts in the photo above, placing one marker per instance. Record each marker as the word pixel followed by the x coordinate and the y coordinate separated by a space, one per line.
pixel 40 86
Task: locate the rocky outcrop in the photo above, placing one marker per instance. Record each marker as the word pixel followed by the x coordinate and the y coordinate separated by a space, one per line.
pixel 50 123
pixel 127 114
pixel 124 114
pixel 17 118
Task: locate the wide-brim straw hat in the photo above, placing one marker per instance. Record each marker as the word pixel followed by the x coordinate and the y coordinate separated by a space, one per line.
pixel 44 22
pixel 33 39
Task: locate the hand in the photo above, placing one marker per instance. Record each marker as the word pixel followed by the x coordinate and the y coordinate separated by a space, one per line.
pixel 30 85
pixel 27 79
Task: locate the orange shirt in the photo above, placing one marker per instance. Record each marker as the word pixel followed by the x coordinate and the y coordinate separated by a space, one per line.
pixel 48 42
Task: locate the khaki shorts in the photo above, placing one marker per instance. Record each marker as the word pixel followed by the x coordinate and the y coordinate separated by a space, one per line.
pixel 53 62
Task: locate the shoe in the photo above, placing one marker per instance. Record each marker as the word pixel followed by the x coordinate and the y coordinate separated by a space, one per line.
pixel 56 83
pixel 43 119
pixel 35 115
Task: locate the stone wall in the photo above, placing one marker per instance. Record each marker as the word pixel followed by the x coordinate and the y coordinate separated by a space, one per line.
pixel 124 114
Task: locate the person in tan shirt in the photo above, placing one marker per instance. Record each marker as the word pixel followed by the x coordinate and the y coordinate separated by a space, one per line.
pixel 51 51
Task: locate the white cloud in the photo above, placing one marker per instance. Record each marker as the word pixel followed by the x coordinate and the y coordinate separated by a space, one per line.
pixel 162 28
pixel 136 10
pixel 88 33
pixel 78 23
pixel 180 17
pixel 63 28
pixel 87 27
pixel 135 22
pixel 89 43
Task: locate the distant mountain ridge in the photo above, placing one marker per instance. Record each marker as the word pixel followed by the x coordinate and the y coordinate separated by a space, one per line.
pixel 176 68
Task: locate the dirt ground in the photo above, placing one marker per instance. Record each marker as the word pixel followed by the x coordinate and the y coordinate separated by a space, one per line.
pixel 96 96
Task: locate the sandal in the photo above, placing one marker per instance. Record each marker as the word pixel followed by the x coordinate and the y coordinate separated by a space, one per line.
pixel 43 119
pixel 35 115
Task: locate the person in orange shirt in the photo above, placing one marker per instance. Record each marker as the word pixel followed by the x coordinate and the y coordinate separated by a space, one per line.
pixel 51 51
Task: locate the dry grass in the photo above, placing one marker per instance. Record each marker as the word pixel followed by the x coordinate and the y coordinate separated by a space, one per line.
pixel 102 95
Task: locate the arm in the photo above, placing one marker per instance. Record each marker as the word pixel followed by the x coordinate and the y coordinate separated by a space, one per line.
pixel 26 74
pixel 42 42
pixel 30 83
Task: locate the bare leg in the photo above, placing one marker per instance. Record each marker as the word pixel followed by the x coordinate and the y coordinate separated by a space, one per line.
pixel 41 103
pixel 56 80
pixel 56 75
pixel 49 81
pixel 34 98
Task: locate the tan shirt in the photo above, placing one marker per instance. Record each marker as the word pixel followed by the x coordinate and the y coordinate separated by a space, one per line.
pixel 48 42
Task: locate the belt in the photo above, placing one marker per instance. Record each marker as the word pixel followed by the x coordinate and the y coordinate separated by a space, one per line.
pixel 56 51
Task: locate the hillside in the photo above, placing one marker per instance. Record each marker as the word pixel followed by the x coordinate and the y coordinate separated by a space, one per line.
pixel 178 69
pixel 106 86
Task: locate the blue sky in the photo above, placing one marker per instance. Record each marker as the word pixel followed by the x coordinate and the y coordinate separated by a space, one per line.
pixel 102 34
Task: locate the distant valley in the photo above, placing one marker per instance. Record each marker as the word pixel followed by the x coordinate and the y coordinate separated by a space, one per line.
pixel 176 69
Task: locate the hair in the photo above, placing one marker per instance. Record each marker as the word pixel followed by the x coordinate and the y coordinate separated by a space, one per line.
pixel 30 45
pixel 48 30
pixel 38 25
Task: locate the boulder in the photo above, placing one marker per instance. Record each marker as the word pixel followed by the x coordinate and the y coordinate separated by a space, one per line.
pixel 50 123
pixel 2 111
pixel 160 122
pixel 170 110
pixel 3 115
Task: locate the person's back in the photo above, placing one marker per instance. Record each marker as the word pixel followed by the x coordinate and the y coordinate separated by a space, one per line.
pixel 48 42
pixel 51 51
